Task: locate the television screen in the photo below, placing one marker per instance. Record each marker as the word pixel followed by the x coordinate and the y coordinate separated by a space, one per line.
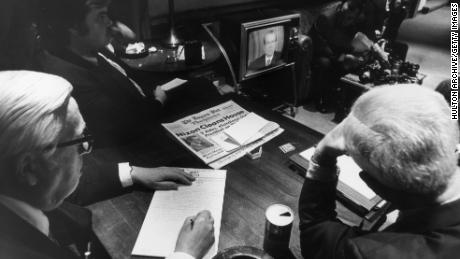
pixel 265 48
pixel 260 42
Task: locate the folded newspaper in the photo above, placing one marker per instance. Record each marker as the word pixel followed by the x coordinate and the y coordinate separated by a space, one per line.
pixel 223 133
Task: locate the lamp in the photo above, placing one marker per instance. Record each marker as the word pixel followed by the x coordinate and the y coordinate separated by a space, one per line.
pixel 172 41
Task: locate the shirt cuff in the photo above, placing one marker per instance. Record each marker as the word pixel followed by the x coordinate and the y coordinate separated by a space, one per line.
pixel 180 255
pixel 124 172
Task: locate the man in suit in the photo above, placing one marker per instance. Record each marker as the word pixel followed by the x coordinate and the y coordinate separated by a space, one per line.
pixel 334 54
pixel 122 116
pixel 42 141
pixel 271 57
pixel 403 139
pixel 118 109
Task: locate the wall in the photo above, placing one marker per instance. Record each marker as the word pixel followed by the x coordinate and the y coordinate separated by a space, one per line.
pixel 159 8
pixel 132 13
pixel 145 15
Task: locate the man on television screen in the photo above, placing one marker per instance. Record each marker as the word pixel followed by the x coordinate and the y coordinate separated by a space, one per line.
pixel 271 57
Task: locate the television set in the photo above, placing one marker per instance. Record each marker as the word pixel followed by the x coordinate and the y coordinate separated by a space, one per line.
pixel 259 42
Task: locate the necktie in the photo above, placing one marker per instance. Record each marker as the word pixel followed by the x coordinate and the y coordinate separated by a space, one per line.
pixel 268 61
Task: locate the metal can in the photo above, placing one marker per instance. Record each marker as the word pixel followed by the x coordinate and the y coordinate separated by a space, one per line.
pixel 278 226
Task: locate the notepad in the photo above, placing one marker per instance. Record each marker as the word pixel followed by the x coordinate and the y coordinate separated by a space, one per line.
pixel 247 128
pixel 172 84
pixel 168 210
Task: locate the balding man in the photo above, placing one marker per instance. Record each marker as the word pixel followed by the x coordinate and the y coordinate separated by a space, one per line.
pixel 271 56
pixel 42 140
pixel 404 141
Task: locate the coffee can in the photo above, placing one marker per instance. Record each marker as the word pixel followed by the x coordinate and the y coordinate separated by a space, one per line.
pixel 278 225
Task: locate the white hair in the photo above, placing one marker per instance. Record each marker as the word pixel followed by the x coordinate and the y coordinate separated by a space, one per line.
pixel 33 107
pixel 406 133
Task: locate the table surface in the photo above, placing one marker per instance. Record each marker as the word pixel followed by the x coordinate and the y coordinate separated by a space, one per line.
pixel 251 186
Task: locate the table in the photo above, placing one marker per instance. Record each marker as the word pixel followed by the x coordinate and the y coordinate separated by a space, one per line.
pixel 164 59
pixel 251 186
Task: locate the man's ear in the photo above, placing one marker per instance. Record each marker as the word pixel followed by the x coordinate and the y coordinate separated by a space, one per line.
pixel 27 169
pixel 77 30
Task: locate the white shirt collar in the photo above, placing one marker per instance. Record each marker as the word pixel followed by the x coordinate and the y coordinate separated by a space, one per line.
pixel 32 215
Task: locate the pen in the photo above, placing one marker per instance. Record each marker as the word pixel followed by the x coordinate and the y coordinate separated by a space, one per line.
pixel 88 251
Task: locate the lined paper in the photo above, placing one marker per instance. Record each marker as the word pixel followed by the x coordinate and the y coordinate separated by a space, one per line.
pixel 168 210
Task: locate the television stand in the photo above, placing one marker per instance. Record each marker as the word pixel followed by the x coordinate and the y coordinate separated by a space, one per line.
pixel 274 89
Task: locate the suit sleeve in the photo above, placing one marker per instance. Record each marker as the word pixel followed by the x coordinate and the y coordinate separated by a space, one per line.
pixel 257 63
pixel 114 120
pixel 99 181
pixel 322 235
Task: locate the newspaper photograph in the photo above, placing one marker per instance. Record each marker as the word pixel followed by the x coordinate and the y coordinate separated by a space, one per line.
pixel 203 134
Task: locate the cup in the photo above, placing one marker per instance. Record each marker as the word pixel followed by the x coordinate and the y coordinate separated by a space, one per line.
pixel 278 225
pixel 193 52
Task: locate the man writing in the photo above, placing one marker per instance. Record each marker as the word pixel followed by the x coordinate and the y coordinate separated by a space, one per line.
pixel 270 57
pixel 42 142
pixel 404 141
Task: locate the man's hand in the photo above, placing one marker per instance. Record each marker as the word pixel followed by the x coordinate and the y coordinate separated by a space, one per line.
pixel 161 178
pixel 197 235
pixel 351 61
pixel 361 43
pixel 160 95
pixel 122 33
pixel 380 52
pixel 331 146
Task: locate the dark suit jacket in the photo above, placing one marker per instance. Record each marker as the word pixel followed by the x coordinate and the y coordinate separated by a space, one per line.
pixel 259 62
pixel 69 224
pixel 115 112
pixel 118 116
pixel 99 181
pixel 430 233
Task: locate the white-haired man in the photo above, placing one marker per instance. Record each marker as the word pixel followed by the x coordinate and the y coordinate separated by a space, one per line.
pixel 42 140
pixel 404 141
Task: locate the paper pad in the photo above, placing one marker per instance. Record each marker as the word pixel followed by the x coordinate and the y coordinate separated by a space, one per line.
pixel 168 210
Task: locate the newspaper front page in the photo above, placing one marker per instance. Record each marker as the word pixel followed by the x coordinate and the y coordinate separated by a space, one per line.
pixel 203 134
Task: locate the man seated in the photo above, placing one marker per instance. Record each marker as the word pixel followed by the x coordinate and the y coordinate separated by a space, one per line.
pixel 271 57
pixel 118 109
pixel 42 142
pixel 404 141
pixel 337 36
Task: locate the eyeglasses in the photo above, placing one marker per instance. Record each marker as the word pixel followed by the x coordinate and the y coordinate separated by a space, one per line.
pixel 85 143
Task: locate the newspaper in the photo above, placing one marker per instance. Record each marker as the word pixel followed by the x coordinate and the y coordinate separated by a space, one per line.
pixel 203 134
